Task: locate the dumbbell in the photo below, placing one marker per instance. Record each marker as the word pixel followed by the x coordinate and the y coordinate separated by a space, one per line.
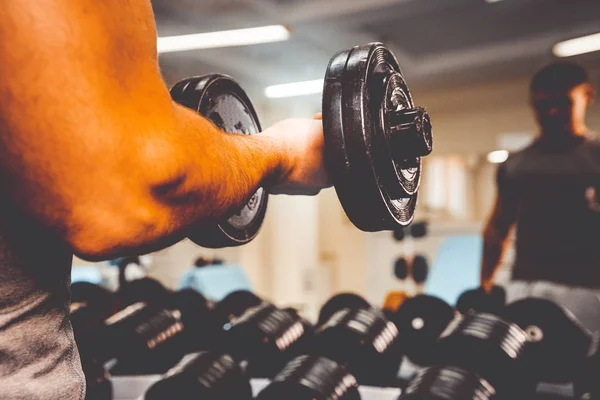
pixel 490 349
pixel 263 339
pixel 363 340
pixel 401 268
pixel 586 384
pixel 419 229
pixel 421 320
pixel 339 302
pixel 448 383
pixel 420 269
pixel 558 343
pixel 145 290
pixel 207 376
pixel 374 140
pixel 312 378
pixel 479 300
pixel 266 338
pixel 234 305
pixel 145 337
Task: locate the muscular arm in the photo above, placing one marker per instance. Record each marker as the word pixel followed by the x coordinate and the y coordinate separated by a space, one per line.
pixel 91 144
pixel 495 236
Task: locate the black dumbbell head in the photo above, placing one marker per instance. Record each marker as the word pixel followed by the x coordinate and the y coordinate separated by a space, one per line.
pixel 586 384
pixel 420 269
pixel 399 234
pixel 378 187
pixel 479 300
pixel 86 292
pixel 144 339
pixel 492 348
pixel 447 383
pixel 420 321
pixel 202 330
pixel 361 338
pixel 401 268
pixel 418 229
pixel 206 376
pixel 146 290
pixel 558 343
pixel 234 305
pixel 266 337
pixel 339 302
pixel 312 378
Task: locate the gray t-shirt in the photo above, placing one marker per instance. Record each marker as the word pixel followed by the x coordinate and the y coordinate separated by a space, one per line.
pixel 38 356
pixel 555 189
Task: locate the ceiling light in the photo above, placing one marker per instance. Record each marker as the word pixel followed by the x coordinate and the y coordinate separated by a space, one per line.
pixel 294 89
pixel 210 40
pixel 492 1
pixel 573 47
pixel 497 157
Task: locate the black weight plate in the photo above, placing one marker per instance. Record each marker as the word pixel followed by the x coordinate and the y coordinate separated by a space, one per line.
pixel 401 268
pixel 349 141
pixel 558 343
pixel 420 269
pixel 222 101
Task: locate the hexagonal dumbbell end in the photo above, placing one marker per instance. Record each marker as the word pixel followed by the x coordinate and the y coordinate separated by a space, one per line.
pixel 410 133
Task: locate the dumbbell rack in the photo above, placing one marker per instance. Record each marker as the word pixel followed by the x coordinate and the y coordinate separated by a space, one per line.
pixel 134 387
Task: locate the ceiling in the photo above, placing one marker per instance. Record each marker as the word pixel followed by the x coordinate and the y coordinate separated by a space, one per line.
pixel 438 42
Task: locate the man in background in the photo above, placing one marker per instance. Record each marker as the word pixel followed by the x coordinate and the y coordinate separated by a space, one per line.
pixel 549 190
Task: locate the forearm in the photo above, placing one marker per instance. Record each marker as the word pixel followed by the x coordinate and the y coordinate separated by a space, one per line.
pixel 189 173
pixel 493 250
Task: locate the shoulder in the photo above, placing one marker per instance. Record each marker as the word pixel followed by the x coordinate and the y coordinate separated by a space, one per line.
pixel 515 158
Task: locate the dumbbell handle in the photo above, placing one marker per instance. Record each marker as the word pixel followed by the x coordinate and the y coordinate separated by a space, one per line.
pixel 410 133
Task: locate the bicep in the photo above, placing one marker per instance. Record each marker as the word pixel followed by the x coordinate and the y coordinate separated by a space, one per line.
pixel 77 76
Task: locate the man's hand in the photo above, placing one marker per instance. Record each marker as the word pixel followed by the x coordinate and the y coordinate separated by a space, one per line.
pixel 302 169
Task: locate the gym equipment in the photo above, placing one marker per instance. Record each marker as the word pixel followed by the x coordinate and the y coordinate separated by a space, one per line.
pixel 420 269
pixel 558 344
pixel 374 140
pixel 447 383
pixel 493 349
pixel 419 229
pixel 202 329
pixel 206 376
pixel 145 290
pixel 339 302
pixel 479 300
pixel 420 321
pixel 266 338
pixel 586 382
pixel 360 339
pixel 374 137
pixel 399 234
pixel 401 268
pixel 312 377
pixel 143 339
pixel 223 102
pixel 234 305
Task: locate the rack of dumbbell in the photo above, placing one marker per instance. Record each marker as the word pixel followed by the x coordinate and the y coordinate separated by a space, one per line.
pixel 148 343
